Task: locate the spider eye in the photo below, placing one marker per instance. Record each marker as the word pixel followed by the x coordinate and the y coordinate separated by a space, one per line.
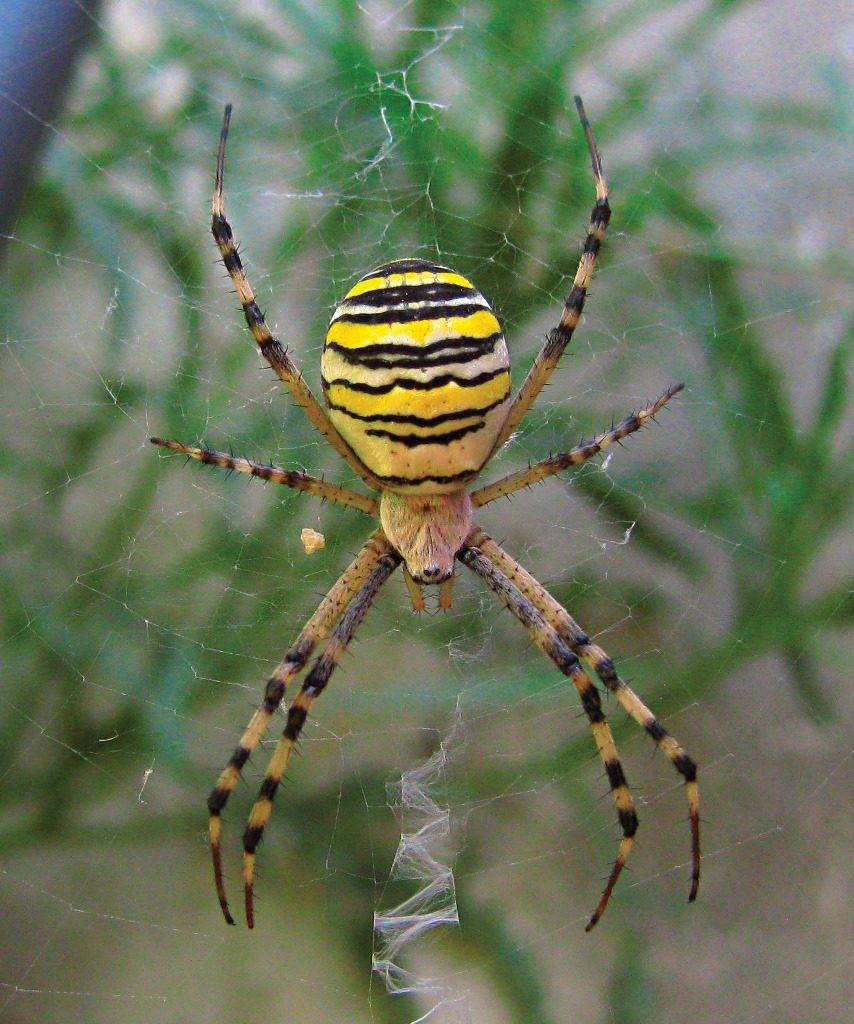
pixel 432 573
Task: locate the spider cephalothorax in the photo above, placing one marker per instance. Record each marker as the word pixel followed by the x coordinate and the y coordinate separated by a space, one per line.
pixel 417 384
pixel 427 531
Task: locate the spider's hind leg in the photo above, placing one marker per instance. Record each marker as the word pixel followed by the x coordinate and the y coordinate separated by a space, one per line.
pixel 271 348
pixel 560 336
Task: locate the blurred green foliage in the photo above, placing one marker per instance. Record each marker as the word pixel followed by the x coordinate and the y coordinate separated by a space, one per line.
pixel 494 174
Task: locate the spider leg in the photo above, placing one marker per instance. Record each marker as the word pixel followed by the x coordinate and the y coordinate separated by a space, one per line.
pixel 557 463
pixel 579 642
pixel 548 640
pixel 560 336
pixel 446 593
pixel 416 592
pixel 287 477
pixel 316 629
pixel 313 686
pixel 271 349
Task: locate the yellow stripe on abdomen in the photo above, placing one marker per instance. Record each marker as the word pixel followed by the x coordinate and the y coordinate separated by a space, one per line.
pixel 481 324
pixel 441 400
pixel 373 284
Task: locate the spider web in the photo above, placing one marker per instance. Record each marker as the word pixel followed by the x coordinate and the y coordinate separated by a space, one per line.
pixel 144 602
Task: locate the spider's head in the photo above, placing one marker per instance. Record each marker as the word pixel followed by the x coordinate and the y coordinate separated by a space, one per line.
pixel 433 573
pixel 427 530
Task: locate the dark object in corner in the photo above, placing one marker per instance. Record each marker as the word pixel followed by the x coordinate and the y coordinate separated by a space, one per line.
pixel 39 43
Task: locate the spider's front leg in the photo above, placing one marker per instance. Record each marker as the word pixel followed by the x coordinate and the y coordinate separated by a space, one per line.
pixel 314 685
pixel 316 629
pixel 579 642
pixel 547 639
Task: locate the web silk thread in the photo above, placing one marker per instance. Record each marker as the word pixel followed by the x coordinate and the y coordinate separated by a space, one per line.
pixel 421 857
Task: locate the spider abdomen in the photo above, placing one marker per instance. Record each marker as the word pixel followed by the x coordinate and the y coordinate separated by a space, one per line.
pixel 416 376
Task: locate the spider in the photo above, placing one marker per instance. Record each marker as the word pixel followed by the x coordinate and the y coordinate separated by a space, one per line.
pixel 416 379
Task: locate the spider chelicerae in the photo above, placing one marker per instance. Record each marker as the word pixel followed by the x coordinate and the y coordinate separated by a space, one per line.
pixel 416 379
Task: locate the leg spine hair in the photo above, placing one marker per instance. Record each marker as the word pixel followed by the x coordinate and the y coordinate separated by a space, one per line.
pixel 313 686
pixel 271 349
pixel 579 642
pixel 294 478
pixel 557 463
pixel 340 596
pixel 546 638
pixel 560 336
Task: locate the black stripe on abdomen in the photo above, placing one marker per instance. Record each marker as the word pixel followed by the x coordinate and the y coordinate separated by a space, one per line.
pixel 406 315
pixel 436 292
pixel 398 348
pixel 415 481
pixel 406 358
pixel 414 440
pixel 417 421
pixel 408 384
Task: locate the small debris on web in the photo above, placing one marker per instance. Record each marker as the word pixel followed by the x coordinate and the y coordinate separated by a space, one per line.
pixel 312 540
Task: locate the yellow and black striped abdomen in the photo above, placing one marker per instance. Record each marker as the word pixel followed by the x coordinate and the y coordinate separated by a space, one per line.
pixel 416 375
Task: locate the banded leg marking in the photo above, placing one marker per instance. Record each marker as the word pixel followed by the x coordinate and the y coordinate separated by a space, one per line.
pixel 294 478
pixel 547 639
pixel 579 642
pixel 313 686
pixel 271 349
pixel 558 463
pixel 316 629
pixel 560 336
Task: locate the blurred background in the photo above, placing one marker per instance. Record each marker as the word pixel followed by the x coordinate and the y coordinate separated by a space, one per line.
pixel 143 601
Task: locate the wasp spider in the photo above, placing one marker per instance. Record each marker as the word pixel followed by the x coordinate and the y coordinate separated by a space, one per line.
pixel 417 385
